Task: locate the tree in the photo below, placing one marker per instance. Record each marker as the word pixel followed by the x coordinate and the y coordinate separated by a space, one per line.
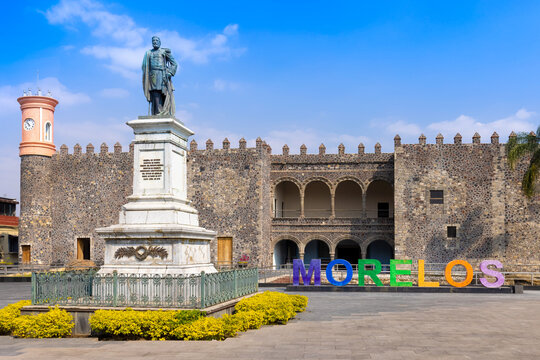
pixel 524 145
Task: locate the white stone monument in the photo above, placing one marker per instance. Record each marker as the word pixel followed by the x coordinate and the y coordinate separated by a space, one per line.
pixel 158 231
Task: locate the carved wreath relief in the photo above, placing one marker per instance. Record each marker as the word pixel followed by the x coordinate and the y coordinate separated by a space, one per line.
pixel 141 252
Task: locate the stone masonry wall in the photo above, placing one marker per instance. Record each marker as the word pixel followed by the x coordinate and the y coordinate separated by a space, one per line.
pixel 362 168
pixel 227 187
pixel 482 199
pixel 67 196
pixel 35 221
pixel 88 192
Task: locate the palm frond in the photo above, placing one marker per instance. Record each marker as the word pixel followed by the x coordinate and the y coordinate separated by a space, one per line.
pixel 521 145
pixel 531 175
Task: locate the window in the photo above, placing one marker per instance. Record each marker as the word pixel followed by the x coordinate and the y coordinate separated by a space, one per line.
pixel 383 210
pixel 83 249
pixel 436 197
pixel 7 209
pixel 48 131
pixel 451 231
pixel 13 244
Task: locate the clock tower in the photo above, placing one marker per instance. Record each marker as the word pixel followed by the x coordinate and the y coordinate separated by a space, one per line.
pixel 37 178
pixel 37 125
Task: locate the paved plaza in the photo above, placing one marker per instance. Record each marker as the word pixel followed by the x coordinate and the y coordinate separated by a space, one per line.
pixel 337 326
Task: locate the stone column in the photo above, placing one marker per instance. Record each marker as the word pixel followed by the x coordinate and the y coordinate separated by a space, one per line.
pixel 302 204
pixel 333 205
pixel 364 199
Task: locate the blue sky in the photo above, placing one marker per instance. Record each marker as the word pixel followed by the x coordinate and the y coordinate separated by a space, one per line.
pixel 290 72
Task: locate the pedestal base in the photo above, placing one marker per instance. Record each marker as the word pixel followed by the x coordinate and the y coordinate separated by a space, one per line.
pixel 162 249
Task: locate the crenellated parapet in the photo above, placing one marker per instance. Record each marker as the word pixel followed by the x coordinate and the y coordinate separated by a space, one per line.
pixel 89 150
pixel 476 139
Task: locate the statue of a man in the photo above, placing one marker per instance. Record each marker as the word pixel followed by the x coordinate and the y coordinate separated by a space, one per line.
pixel 158 67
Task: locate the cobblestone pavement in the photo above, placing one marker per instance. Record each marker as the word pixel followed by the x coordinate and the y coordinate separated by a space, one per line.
pixel 343 326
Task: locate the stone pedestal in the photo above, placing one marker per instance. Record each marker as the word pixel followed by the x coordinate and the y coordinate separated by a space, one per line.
pixel 158 231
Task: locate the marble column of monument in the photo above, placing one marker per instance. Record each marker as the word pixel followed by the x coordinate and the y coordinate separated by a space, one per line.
pixel 158 231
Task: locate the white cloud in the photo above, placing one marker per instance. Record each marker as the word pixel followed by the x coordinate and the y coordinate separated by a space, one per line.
pixel 84 133
pixel 9 172
pixel 114 93
pixel 103 23
pixel 294 138
pixel 10 93
pixel 131 41
pixel 231 30
pixel 467 125
pixel 222 85
pixel 522 120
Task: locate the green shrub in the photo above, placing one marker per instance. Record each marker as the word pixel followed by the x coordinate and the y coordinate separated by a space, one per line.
pixel 10 313
pixel 276 308
pixel 52 324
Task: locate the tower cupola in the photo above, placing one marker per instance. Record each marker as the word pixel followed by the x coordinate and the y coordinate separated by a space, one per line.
pixel 37 124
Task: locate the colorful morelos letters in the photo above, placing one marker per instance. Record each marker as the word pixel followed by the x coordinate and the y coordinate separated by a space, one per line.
pixel 314 271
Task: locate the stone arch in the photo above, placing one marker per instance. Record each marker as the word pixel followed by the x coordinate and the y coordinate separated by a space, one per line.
pixel 288 237
pixel 378 178
pixel 318 178
pixel 347 250
pixel 284 250
pixel 318 193
pixel 381 249
pixel 322 238
pixel 379 198
pixel 350 178
pixel 287 198
pixel 348 198
pixel 287 178
pixel 317 247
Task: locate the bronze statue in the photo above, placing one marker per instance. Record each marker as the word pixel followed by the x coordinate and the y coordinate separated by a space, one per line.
pixel 158 67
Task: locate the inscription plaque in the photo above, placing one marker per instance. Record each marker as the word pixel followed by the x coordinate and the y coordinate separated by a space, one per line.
pixel 151 169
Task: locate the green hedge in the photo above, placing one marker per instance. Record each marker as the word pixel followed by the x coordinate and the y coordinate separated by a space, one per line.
pixel 251 313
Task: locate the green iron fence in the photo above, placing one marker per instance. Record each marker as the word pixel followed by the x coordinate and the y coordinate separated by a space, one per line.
pixel 89 288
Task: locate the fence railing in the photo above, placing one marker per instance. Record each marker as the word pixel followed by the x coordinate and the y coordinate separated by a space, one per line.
pixel 19 269
pixel 89 288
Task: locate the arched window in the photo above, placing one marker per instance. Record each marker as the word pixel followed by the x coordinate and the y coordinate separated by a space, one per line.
pixel 380 200
pixel 287 200
pixel 48 131
pixel 317 200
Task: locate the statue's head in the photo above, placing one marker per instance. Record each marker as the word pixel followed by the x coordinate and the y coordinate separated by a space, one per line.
pixel 156 42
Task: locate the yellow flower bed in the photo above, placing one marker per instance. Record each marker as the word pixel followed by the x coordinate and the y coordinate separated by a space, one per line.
pixel 10 313
pixel 53 324
pixel 251 313
pixel 129 324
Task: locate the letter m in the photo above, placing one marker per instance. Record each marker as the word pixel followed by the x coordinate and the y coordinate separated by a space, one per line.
pixel 299 269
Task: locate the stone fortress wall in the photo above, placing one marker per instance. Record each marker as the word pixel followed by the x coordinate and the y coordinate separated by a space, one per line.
pixel 68 196
pixel 481 198
pixel 280 206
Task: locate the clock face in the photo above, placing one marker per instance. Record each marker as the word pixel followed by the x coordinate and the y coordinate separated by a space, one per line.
pixel 29 124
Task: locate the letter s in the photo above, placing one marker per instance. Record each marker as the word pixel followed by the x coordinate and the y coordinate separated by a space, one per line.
pixel 499 276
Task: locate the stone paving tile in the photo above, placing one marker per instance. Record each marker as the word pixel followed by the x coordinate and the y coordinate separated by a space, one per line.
pixel 344 326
